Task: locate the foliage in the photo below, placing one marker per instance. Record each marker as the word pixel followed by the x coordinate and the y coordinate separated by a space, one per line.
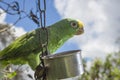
pixel 104 70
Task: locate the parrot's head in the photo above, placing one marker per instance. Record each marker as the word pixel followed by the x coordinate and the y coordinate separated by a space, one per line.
pixel 74 26
pixel 68 27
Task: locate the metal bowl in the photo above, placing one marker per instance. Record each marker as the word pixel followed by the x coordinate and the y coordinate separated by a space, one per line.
pixel 64 65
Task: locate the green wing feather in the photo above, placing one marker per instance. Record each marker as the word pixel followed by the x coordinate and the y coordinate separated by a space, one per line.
pixel 21 46
pixel 21 50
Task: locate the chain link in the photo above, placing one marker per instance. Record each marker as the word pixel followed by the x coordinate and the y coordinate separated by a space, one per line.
pixel 41 70
pixel 42 11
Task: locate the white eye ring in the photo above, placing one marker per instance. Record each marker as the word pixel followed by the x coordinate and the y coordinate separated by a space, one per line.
pixel 74 24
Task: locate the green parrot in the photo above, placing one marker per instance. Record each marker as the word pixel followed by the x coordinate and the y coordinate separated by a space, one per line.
pixel 27 48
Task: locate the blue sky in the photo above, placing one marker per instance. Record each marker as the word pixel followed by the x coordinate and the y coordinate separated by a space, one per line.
pixel 52 15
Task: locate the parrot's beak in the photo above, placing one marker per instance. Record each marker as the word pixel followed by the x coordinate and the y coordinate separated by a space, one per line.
pixel 80 29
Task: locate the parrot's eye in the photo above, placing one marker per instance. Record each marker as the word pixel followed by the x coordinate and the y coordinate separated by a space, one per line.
pixel 74 24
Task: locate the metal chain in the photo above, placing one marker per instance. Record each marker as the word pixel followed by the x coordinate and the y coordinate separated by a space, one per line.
pixel 41 70
pixel 42 11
